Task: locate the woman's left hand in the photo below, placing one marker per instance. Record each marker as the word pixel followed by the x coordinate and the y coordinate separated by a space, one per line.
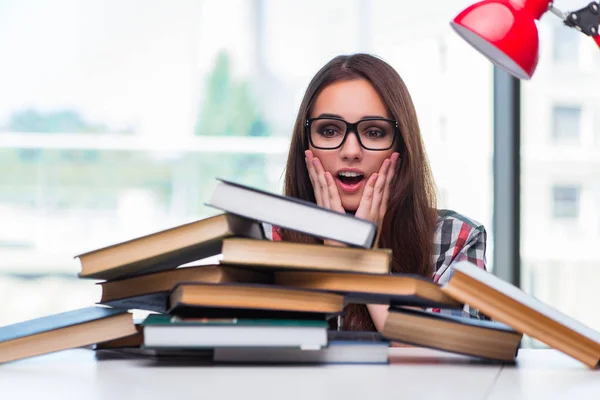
pixel 375 197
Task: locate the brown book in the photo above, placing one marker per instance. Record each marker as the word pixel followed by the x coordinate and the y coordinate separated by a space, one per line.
pixel 463 335
pixel 166 249
pixel 288 255
pixel 129 341
pixel 239 296
pixel 67 330
pixel 151 291
pixel 400 289
pixel 506 303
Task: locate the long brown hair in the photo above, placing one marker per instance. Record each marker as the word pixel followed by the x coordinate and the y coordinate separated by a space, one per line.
pixel 410 219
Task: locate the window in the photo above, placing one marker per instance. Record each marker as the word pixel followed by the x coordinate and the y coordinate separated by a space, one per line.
pixel 111 128
pixel 565 202
pixel 566 123
pixel 559 209
pixel 565 47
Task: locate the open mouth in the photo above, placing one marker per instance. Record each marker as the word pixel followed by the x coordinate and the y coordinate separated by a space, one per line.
pixel 350 178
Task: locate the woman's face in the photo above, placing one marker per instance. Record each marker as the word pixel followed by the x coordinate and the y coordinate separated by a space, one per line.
pixel 350 100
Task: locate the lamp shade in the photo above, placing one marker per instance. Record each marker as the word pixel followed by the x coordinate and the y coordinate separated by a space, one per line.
pixel 505 31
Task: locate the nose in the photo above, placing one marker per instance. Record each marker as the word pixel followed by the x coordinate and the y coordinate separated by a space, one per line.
pixel 351 149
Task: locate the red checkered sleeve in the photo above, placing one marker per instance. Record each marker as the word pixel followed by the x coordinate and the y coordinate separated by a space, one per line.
pixel 457 238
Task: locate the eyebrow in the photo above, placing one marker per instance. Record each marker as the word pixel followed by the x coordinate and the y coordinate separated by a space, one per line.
pixel 327 115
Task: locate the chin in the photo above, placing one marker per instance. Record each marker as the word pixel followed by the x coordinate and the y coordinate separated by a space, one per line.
pixel 350 206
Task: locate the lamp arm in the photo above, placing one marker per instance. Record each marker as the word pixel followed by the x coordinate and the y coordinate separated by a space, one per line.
pixel 557 12
pixel 585 20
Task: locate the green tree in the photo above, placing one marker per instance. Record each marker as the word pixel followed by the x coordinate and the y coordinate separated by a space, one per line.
pixel 31 120
pixel 59 121
pixel 229 107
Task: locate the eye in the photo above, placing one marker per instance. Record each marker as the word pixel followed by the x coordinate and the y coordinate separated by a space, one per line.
pixel 329 131
pixel 374 133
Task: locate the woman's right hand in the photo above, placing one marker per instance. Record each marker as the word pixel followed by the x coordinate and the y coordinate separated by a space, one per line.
pixel 326 192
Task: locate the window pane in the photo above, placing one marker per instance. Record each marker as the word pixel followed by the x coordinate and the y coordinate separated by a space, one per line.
pixel 565 202
pixel 117 119
pixel 566 123
pixel 566 44
pixel 560 213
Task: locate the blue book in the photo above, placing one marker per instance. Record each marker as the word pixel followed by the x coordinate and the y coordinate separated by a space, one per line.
pixel 62 331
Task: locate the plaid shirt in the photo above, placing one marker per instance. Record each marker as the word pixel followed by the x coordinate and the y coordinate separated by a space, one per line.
pixel 457 238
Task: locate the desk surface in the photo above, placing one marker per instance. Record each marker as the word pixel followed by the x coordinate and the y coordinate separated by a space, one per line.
pixel 413 373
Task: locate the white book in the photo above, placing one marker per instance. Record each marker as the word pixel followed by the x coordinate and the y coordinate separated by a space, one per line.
pixel 294 214
pixel 335 353
pixel 343 348
pixel 212 336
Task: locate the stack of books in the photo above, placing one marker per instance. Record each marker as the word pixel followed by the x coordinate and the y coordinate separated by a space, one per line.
pixel 270 301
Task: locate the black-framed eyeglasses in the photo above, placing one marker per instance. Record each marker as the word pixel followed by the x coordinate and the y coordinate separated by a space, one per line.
pixel 373 133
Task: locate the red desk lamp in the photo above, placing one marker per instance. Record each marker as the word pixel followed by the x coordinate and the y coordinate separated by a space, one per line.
pixel 505 31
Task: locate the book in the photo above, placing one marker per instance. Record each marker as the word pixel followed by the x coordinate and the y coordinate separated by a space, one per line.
pixel 203 312
pixel 287 255
pixel 132 341
pixel 367 288
pixel 253 297
pixel 151 291
pixel 463 335
pixel 164 331
pixel 62 331
pixel 505 302
pixel 349 348
pixel 166 249
pixel 158 356
pixel 292 213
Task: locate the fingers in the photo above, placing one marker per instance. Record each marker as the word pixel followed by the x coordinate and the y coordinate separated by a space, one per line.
pixel 379 187
pixel 322 182
pixel 388 182
pixel 326 192
pixel 312 174
pixel 364 208
pixel 334 196
pixel 392 170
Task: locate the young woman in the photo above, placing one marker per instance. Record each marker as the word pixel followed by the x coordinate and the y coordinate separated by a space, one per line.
pixel 357 148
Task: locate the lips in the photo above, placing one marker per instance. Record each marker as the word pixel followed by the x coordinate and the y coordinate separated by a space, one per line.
pixel 350 180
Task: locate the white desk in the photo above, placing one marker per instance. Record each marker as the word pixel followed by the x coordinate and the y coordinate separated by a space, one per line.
pixel 413 374
pixel 546 374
